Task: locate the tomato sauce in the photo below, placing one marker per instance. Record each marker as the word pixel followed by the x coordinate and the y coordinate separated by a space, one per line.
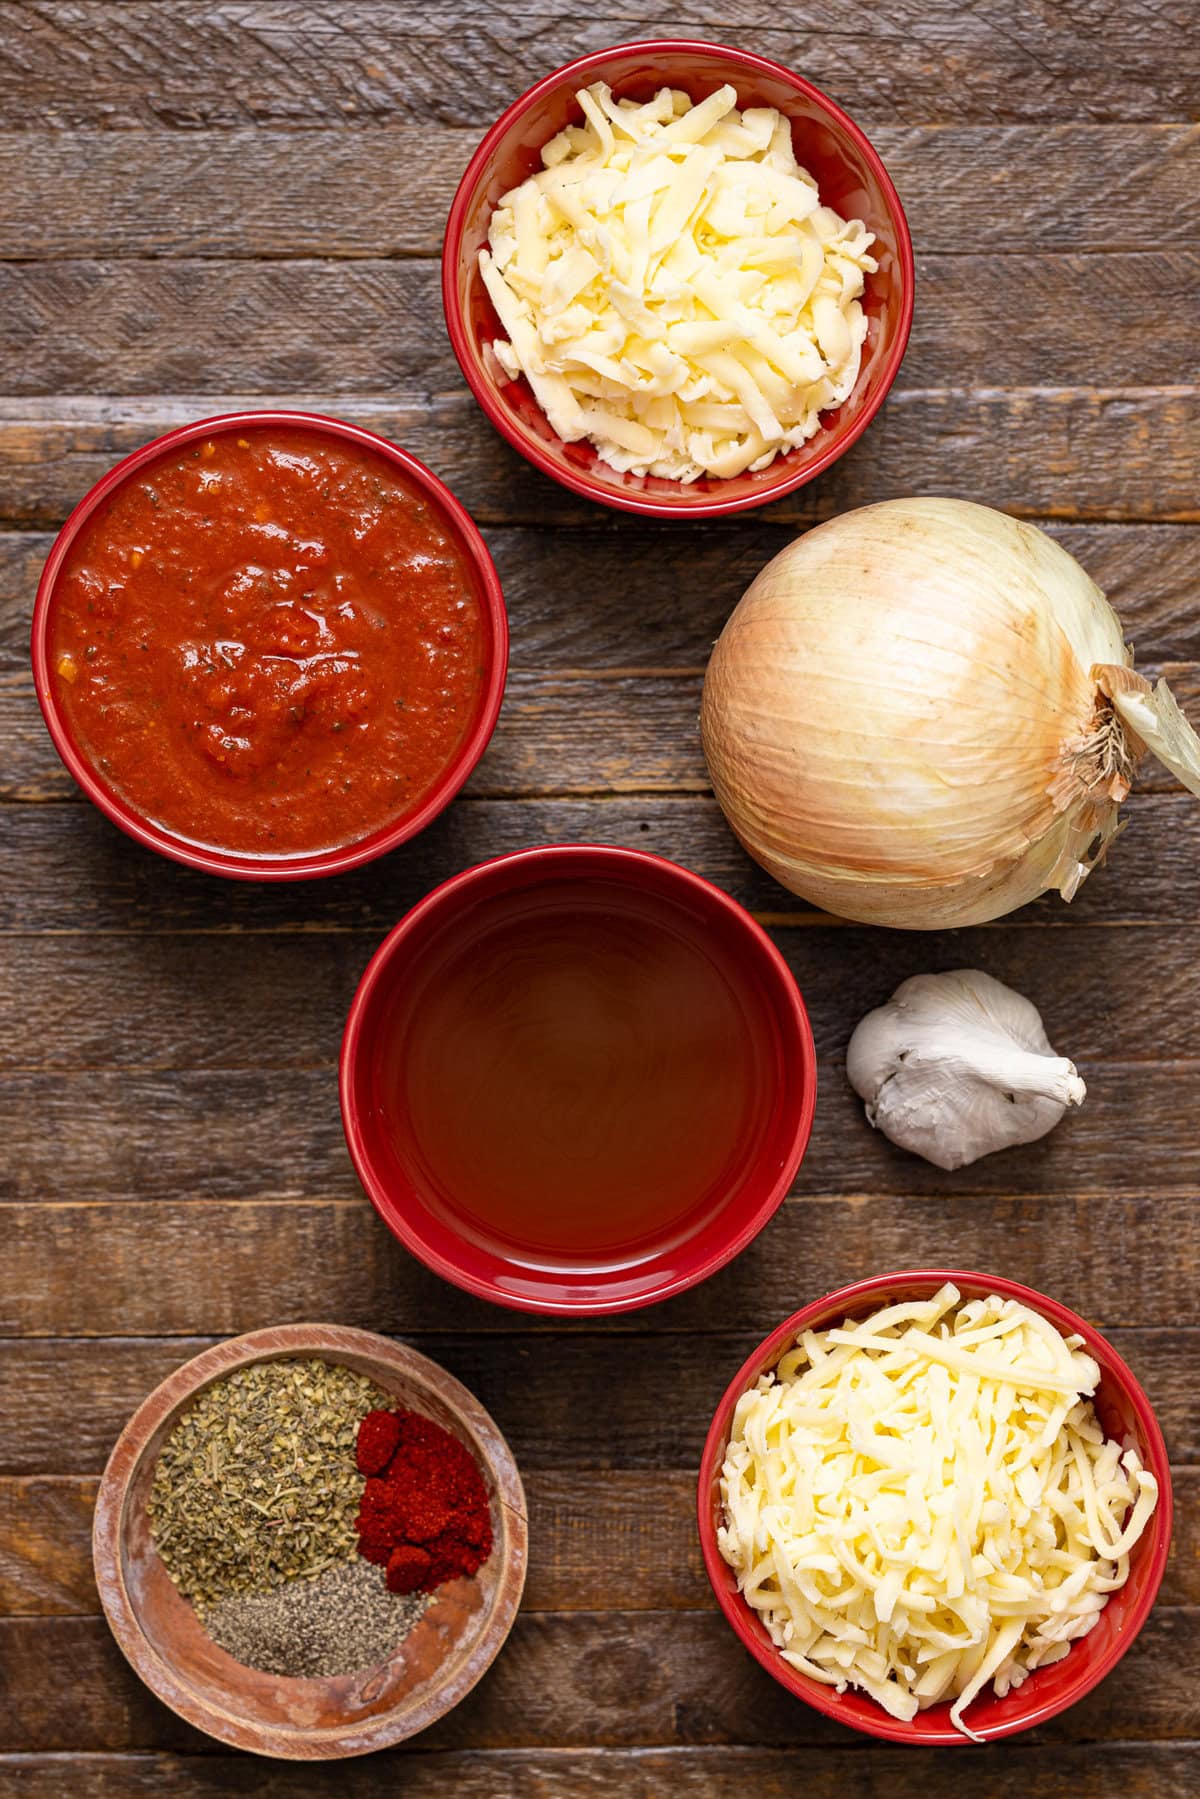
pixel 269 642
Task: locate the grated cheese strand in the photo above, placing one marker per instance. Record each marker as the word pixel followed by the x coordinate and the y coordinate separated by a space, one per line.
pixel 923 1501
pixel 673 290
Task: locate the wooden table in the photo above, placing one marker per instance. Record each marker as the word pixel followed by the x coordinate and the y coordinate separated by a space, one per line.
pixel 204 204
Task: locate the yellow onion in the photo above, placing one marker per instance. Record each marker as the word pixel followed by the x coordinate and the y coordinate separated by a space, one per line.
pixel 924 714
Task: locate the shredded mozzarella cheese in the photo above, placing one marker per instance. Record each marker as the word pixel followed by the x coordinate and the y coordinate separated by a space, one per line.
pixel 924 1501
pixel 672 288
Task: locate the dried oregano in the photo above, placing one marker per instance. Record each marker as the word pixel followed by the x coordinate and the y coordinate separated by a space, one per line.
pixel 257 1484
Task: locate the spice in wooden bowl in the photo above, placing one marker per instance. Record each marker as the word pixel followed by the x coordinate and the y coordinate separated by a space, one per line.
pixel 315 1717
pixel 252 1511
pixel 257 1483
pixel 425 1517
pixel 335 1622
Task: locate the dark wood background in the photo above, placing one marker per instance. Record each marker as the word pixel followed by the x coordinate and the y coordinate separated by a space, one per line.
pixel 206 202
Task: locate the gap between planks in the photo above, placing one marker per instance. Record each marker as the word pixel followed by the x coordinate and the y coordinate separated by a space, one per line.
pixel 776 921
pixel 21 1070
pixel 536 1324
pixel 530 1615
pixel 398 410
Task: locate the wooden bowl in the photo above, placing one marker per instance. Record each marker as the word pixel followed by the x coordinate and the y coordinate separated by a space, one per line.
pixel 306 1720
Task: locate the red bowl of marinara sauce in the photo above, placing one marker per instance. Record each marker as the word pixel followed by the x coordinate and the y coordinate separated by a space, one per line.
pixel 270 645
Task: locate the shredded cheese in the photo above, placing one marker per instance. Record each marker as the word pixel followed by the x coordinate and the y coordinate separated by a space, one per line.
pixel 673 290
pixel 924 1501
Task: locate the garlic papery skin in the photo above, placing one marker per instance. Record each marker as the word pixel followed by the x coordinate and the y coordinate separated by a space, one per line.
pixel 922 714
pixel 956 1066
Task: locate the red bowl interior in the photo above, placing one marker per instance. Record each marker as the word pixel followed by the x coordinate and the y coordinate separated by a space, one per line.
pixel 850 177
pixel 1123 1410
pixel 373 1075
pixel 457 523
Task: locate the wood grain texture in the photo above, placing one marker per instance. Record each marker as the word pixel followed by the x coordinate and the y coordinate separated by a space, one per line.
pixel 1120 454
pixel 301 65
pixel 575 734
pixel 621 1540
pixel 574 1680
pixel 642 622
pixel 572 734
pixel 178 1135
pixel 288 1259
pixel 356 327
pixel 66 869
pixel 1004 1771
pixel 277 1001
pixel 643 626
pixel 544 1392
pixel 268 193
pixel 240 202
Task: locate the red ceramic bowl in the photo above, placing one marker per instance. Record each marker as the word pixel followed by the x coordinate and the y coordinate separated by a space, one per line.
pixel 1125 1414
pixel 529 892
pixel 851 178
pixel 233 863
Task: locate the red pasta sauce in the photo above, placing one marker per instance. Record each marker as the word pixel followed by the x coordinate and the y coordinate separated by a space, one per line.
pixel 269 642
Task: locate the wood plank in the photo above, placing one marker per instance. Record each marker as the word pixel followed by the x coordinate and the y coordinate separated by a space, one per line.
pixel 303 66
pixel 354 327
pixel 315 1257
pixel 146 326
pixel 65 868
pixel 616 1541
pixel 145 1135
pixel 278 1001
pixel 559 736
pixel 574 734
pixel 46 1545
pixel 1116 454
pixel 284 1261
pixel 617 709
pixel 566 1681
pixel 542 1389
pixel 270 193
pixel 567 614
pixel 1012 1770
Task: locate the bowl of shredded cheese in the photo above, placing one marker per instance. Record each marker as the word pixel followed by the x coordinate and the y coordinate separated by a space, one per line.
pixel 678 278
pixel 936 1506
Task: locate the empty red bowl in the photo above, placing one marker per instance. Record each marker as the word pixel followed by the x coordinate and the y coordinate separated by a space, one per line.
pixel 577 1079
pixel 239 864
pixel 851 178
pixel 1124 1412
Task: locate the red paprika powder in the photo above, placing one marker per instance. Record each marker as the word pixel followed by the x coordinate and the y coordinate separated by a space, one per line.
pixel 378 1441
pixel 424 1515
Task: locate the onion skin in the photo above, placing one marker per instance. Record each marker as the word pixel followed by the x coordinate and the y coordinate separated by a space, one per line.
pixel 902 716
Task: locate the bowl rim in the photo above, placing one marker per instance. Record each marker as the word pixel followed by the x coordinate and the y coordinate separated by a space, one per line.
pixel 849 1300
pixel 280 1342
pixel 234 864
pixel 550 857
pixel 706 506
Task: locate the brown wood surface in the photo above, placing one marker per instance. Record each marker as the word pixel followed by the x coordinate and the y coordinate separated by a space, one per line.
pixel 613 1539
pixel 217 204
pixel 573 1680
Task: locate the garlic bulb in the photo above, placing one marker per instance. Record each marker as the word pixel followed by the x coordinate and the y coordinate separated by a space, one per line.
pixel 956 1066
pixel 923 714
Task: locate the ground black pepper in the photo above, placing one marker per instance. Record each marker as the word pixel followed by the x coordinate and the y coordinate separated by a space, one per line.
pixel 337 1622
